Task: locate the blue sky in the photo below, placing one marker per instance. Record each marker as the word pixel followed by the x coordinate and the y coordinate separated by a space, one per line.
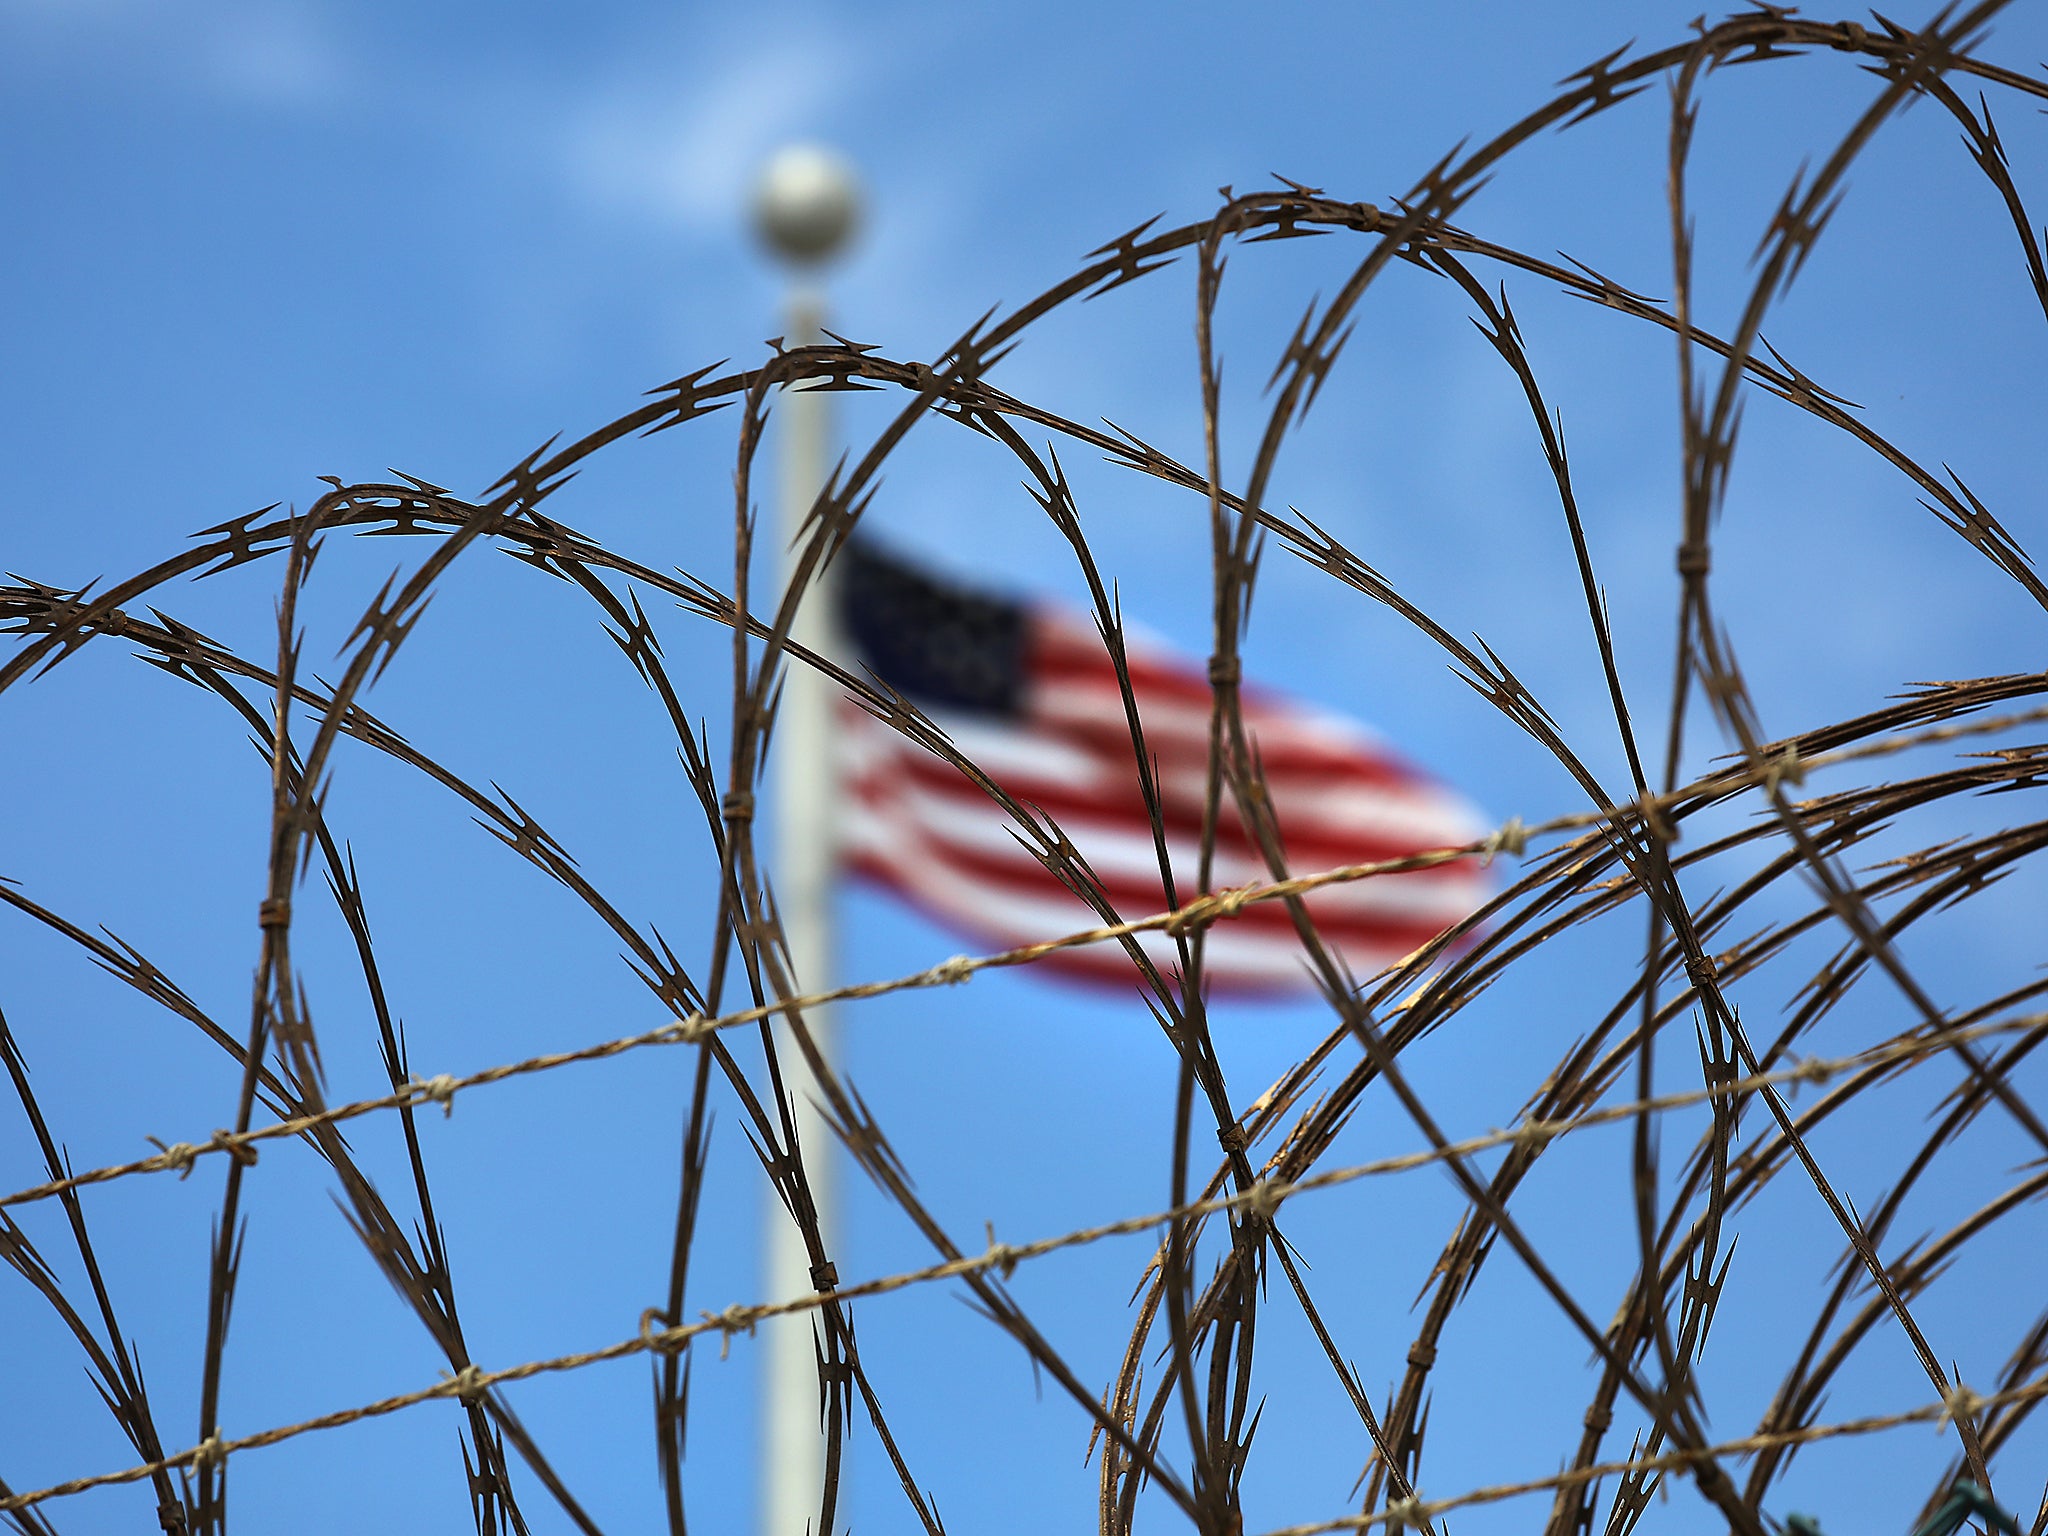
pixel 252 244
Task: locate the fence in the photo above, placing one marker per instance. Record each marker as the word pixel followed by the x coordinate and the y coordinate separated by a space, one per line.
pixel 1172 1429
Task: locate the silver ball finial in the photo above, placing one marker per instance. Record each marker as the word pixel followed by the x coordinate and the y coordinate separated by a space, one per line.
pixel 808 203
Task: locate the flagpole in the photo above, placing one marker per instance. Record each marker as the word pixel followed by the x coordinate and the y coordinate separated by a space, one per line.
pixel 805 208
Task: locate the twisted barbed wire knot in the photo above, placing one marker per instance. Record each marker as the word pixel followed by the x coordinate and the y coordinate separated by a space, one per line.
pixel 1960 1403
pixel 1405 1512
pixel 275 912
pixel 1657 819
pixel 182 1155
pixel 694 1030
pixel 1002 1258
pixel 950 973
pixel 178 1155
pixel 737 1318
pixel 1511 838
pixel 1263 1199
pixel 235 1145
pixel 467 1383
pixel 1212 908
pixel 209 1453
pixel 1813 1070
pixel 1785 768
pixel 439 1089
pixel 662 1340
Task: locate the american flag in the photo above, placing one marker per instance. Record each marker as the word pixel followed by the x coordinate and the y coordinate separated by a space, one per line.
pixel 1027 692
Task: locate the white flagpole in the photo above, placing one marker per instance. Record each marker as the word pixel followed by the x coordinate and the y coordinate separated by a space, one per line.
pixel 806 208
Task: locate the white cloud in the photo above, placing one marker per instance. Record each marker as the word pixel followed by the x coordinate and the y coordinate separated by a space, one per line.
pixel 683 144
pixel 274 53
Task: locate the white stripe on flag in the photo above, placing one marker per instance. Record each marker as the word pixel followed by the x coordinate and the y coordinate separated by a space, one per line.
pixel 1010 920
pixel 1124 852
pixel 1340 795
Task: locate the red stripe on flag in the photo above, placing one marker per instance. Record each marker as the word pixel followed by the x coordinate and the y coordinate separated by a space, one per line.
pixel 917 826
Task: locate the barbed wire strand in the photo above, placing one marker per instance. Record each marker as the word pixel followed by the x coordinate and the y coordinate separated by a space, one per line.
pixel 1960 1403
pixel 472 1381
pixel 1913 64
pixel 1262 1199
pixel 1511 837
